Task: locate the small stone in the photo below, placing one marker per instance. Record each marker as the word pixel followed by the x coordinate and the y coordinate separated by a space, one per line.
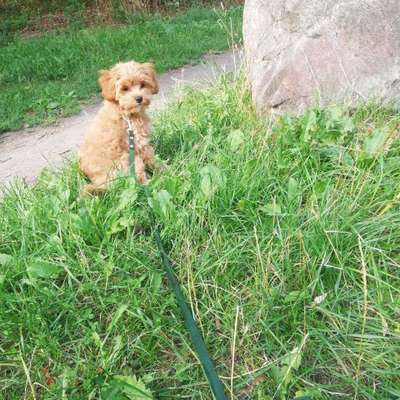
pixel 319 299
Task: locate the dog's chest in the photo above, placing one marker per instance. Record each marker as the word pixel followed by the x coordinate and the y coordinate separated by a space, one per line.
pixel 141 140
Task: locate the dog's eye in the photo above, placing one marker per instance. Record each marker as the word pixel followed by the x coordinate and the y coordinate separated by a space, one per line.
pixel 124 88
pixel 142 85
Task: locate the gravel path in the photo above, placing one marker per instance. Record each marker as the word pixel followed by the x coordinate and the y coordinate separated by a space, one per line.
pixel 24 153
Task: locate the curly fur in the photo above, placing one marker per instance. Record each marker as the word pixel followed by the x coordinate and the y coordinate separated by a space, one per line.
pixel 127 90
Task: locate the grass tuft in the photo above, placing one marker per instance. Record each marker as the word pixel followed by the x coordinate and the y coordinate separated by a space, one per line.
pixel 286 239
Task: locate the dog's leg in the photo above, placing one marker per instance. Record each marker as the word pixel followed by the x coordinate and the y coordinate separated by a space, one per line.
pixel 148 156
pixel 93 189
pixel 140 169
pixel 99 184
pixel 150 160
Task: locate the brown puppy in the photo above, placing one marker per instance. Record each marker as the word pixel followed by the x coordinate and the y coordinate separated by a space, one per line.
pixel 127 90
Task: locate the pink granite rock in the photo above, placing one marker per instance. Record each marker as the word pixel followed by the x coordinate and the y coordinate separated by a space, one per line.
pixel 305 52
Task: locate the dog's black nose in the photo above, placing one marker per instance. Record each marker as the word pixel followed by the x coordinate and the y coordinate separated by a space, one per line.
pixel 139 99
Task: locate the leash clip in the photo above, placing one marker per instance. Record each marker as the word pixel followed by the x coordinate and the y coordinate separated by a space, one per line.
pixel 131 134
pixel 131 137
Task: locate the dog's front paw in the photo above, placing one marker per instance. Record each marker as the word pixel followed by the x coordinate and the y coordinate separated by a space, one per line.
pixel 92 190
pixel 157 166
pixel 161 166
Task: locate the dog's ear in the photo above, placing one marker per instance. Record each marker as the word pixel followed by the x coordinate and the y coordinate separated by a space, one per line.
pixel 149 71
pixel 107 85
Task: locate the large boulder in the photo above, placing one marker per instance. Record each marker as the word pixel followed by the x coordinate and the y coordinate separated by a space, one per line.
pixel 303 52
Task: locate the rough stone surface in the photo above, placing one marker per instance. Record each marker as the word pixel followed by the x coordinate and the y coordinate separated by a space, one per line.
pixel 303 52
pixel 23 154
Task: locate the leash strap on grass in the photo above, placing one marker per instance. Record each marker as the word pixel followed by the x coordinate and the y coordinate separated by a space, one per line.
pixel 190 323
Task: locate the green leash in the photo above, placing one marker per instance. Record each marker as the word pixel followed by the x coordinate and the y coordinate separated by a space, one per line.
pixel 195 334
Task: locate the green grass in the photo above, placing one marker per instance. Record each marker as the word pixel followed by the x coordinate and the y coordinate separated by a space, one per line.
pixel 45 78
pixel 286 238
pixel 38 16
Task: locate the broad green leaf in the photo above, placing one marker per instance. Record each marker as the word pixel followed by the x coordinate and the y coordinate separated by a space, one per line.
pixel 108 268
pixel 311 125
pixel 293 359
pixel 5 259
pixel 335 114
pixel 156 282
pixel 162 202
pixel 172 185
pixel 320 188
pixel 97 339
pixel 236 139
pixel 206 186
pixel 212 178
pixel 43 269
pixel 132 388
pixel 293 189
pixel 120 225
pixel 348 125
pixel 29 282
pixel 53 105
pixel 375 143
pixel 127 197
pixel 276 374
pixel 272 209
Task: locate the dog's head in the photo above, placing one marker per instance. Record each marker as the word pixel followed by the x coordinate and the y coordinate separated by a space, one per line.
pixel 129 84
